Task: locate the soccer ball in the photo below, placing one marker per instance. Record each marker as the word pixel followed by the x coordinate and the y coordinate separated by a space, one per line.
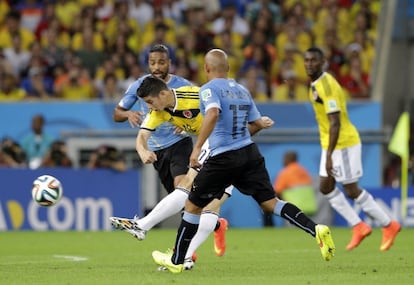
pixel 47 190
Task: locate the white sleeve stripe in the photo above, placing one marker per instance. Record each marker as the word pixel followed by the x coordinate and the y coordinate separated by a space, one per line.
pixel 212 105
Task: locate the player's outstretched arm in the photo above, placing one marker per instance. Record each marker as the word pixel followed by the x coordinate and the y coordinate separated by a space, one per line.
pixel 262 123
pixel 141 147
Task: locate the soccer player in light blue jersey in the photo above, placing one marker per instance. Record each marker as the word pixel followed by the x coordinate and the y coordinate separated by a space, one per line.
pixel 229 113
pixel 169 151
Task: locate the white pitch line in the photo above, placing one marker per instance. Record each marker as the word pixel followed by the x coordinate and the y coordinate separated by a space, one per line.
pixel 71 257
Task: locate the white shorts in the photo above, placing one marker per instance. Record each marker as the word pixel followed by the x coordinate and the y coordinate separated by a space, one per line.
pixel 346 162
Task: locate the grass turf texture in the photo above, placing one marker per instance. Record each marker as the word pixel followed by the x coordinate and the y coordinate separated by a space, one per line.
pixel 254 256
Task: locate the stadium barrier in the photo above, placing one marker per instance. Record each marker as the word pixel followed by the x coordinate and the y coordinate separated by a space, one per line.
pixel 91 196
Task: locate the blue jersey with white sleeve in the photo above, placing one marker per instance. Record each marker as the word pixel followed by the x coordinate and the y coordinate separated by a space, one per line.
pixel 163 136
pixel 237 109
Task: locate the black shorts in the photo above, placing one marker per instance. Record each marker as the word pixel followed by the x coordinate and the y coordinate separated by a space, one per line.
pixel 173 161
pixel 244 168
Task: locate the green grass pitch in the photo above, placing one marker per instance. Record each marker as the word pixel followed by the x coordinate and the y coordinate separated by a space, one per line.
pixel 254 256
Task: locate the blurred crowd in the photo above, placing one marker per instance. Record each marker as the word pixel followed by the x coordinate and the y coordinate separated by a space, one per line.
pixel 93 49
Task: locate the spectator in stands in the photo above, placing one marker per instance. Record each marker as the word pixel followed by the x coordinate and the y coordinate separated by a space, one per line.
pixel 9 88
pixel 120 22
pixel 370 9
pixel 331 16
pixel 255 9
pixel 140 11
pixel 133 72
pixel 300 12
pixel 292 61
pixel 111 65
pixel 166 35
pixel 230 20
pixel 231 44
pixel 48 15
pixel 12 27
pixel 261 53
pixel 111 90
pixel 294 184
pixel 75 85
pixel 334 53
pixel 4 9
pixel 5 66
pixel 88 46
pixel 37 84
pixel 173 9
pixel 362 45
pixel 53 50
pixel 16 56
pixel 66 11
pixel 294 35
pixel 62 36
pixel 198 26
pixel 355 81
pixel 107 156
pixel 11 154
pixel 159 36
pixel 254 79
pixel 57 156
pixel 103 10
pixel 37 142
pixel 122 53
pixel 291 89
pixel 38 57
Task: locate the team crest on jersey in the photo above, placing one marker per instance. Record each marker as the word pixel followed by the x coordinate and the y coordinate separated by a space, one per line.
pixel 187 114
pixel 205 94
pixel 332 105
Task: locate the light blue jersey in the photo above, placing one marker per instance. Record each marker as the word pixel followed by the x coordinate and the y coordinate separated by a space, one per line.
pixel 163 136
pixel 231 131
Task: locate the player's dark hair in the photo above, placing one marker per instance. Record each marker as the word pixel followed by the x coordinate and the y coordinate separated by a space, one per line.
pixel 160 48
pixel 316 50
pixel 151 86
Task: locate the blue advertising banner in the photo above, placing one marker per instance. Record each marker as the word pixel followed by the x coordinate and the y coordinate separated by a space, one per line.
pixel 89 198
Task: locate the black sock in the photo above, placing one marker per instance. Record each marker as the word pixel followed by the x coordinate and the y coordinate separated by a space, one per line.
pixel 217 226
pixel 296 217
pixel 185 233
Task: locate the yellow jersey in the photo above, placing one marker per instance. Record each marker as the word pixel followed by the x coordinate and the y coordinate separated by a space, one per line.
pixel 327 96
pixel 185 114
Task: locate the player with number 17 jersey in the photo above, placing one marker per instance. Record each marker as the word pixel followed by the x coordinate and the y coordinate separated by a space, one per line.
pixel 231 131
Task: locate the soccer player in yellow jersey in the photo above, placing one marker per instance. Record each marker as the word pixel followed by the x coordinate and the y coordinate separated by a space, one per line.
pixel 341 154
pixel 170 150
pixel 183 106
pixel 178 106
